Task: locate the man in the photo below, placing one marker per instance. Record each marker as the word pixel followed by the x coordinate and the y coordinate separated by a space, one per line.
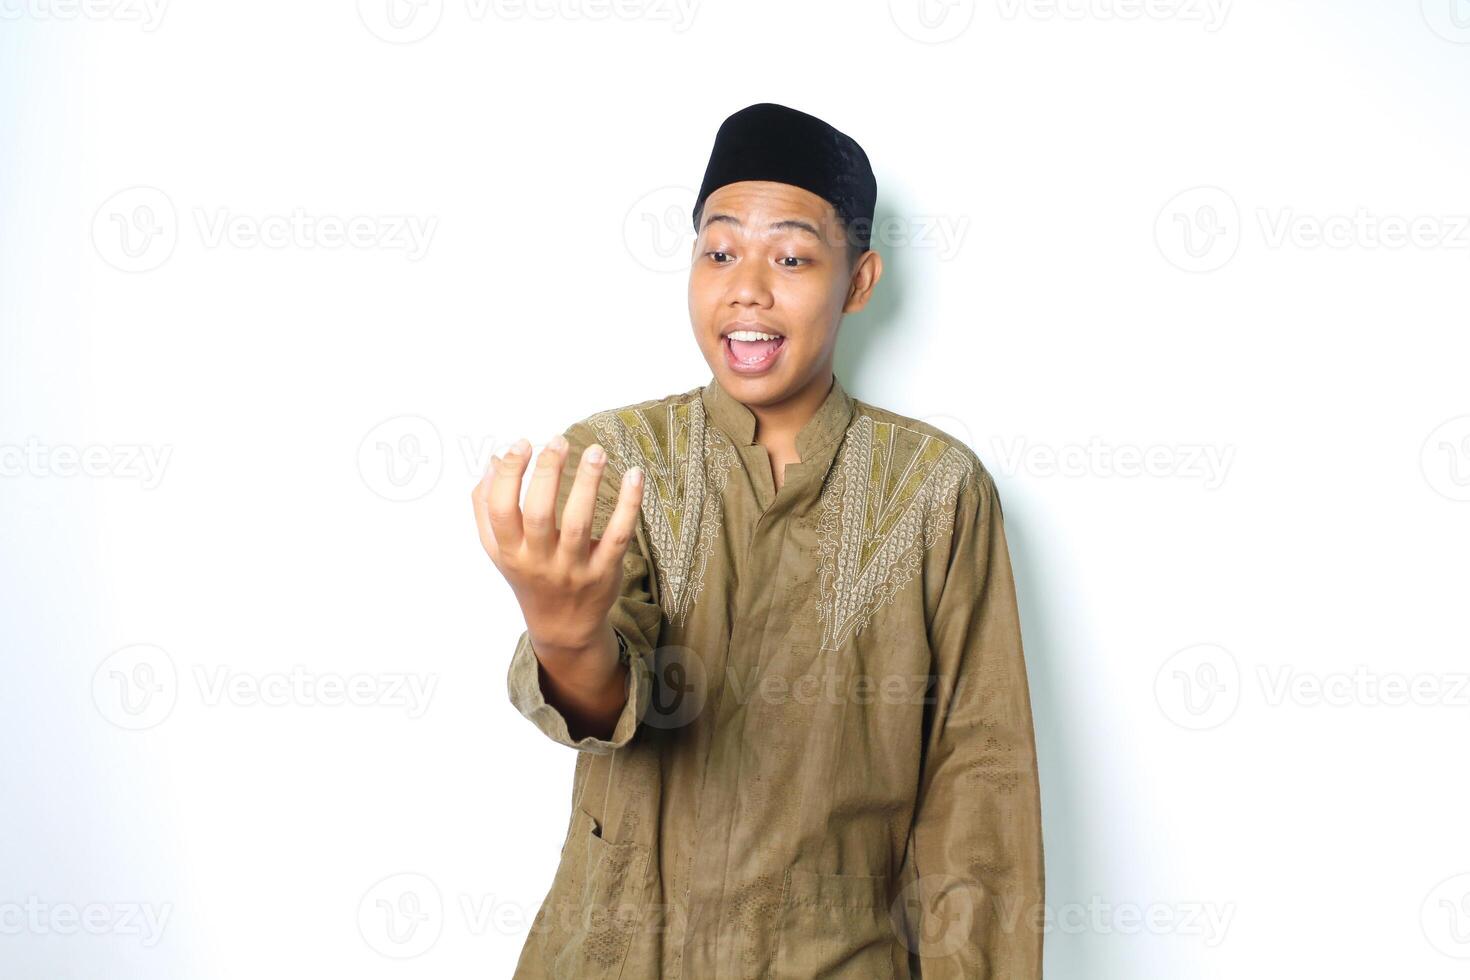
pixel 778 625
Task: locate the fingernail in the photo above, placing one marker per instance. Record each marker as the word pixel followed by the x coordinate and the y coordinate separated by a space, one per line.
pixel 558 442
pixel 633 475
pixel 494 462
pixel 594 453
pixel 522 446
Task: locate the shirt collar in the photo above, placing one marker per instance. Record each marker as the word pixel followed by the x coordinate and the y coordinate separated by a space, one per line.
pixel 738 422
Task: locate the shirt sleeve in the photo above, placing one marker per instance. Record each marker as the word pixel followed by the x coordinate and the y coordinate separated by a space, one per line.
pixel 976 882
pixel 635 615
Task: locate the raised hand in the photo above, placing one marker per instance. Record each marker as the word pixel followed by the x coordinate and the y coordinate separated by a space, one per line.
pixel 565 581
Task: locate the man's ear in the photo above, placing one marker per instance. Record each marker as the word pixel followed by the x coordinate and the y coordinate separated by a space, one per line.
pixel 869 270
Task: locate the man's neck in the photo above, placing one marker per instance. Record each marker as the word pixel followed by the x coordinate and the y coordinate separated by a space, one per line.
pixel 777 426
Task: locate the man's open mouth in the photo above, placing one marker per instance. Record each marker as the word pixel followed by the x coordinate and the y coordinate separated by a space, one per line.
pixel 753 347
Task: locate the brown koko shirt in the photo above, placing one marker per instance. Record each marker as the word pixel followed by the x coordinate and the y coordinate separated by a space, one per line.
pixel 825 768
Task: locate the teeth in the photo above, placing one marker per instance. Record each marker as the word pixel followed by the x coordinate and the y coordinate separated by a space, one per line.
pixel 751 335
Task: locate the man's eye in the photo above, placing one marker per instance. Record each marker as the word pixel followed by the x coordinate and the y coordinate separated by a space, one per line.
pixel 719 257
pixel 792 261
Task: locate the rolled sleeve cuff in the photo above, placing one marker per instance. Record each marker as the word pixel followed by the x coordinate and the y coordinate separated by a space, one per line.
pixel 524 684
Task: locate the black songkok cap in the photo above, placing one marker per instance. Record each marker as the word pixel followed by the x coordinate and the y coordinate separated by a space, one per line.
pixel 766 141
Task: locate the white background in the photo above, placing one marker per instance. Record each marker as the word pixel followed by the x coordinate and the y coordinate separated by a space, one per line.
pixel 1170 231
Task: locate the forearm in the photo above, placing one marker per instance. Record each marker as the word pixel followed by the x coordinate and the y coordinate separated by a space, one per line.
pixel 587 684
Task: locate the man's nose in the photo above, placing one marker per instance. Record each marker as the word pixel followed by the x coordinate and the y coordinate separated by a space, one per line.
pixel 751 283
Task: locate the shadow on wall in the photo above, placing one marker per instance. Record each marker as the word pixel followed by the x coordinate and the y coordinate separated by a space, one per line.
pixel 860 330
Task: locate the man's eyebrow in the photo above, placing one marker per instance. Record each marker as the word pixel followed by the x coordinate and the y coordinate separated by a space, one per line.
pixel 791 223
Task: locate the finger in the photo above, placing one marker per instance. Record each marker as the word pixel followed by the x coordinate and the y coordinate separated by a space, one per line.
pixel 505 496
pixel 480 500
pixel 610 548
pixel 538 516
pixel 576 517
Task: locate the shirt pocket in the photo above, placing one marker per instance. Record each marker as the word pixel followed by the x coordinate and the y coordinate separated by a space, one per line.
pixel 606 900
pixel 835 927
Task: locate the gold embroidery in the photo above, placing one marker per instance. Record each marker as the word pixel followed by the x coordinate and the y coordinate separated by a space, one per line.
pixel 889 496
pixel 684 480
